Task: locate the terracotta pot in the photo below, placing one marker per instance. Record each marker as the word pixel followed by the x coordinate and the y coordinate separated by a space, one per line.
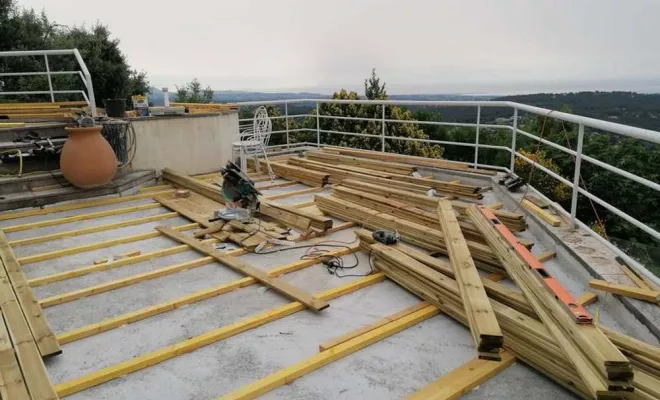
pixel 87 160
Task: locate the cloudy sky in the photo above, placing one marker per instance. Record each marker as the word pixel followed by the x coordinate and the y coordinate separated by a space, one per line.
pixel 421 46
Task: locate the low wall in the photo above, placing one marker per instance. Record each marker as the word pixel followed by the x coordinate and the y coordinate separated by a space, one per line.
pixel 190 144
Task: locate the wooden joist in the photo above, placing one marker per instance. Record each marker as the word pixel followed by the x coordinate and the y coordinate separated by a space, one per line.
pixel 34 315
pixel 463 379
pixel 482 321
pixel 205 189
pixel 602 367
pixel 383 321
pixel 638 293
pixel 240 266
pixel 587 299
pixel 12 384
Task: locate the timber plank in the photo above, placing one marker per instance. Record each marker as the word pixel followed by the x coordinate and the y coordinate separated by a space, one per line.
pixel 12 384
pixel 638 293
pixel 240 266
pixel 36 320
pixel 483 324
pixel 463 379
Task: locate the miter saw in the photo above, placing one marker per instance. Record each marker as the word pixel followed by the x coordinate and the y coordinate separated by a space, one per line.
pixel 241 197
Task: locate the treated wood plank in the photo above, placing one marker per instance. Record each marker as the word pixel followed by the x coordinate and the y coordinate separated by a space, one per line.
pixel 36 320
pixel 240 266
pixel 483 324
pixel 651 296
pixel 27 353
pixel 587 298
pixel 545 215
pixel 370 327
pixel 12 384
pixel 198 186
pixel 463 379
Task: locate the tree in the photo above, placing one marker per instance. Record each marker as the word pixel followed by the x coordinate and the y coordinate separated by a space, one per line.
pixel 23 29
pixel 192 92
pixel 374 90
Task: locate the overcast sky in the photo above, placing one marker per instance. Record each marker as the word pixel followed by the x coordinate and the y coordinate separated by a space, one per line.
pixel 421 46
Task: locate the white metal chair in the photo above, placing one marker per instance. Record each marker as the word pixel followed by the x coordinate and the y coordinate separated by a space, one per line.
pixel 254 140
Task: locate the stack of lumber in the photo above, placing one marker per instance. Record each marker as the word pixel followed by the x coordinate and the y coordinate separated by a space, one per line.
pixel 39 111
pixel 25 336
pixel 302 175
pixel 339 172
pixel 200 108
pixel 514 221
pixel 524 335
pixel 603 369
pixel 384 166
pixel 404 159
pixel 411 232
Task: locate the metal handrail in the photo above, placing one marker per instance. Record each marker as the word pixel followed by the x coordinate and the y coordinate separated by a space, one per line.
pixel 582 122
pixel 83 74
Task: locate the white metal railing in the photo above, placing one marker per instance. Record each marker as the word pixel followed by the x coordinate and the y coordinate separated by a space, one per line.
pixel 516 108
pixel 83 73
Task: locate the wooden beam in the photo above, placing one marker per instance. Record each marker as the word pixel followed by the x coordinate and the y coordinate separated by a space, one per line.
pixel 27 353
pixel 78 218
pixel 587 298
pixel 370 327
pixel 77 206
pixel 12 384
pixel 277 185
pixel 146 360
pixel 92 229
pixel 155 188
pixel 543 214
pixel 463 379
pixel 295 371
pixel 238 265
pixel 483 324
pixel 36 320
pixel 638 293
pixel 205 189
pixel 161 308
pixel 97 245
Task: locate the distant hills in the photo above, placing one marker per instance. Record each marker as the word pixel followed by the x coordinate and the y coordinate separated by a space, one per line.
pixel 631 108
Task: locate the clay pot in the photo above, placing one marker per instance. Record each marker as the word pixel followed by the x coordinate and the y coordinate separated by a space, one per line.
pixel 87 160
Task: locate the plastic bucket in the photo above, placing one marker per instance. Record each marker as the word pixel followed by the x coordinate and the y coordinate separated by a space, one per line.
pixel 115 108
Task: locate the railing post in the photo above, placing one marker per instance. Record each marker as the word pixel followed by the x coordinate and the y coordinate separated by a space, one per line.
pixel 88 82
pixel 318 127
pixel 382 133
pixel 286 119
pixel 476 139
pixel 50 82
pixel 576 175
pixel 513 139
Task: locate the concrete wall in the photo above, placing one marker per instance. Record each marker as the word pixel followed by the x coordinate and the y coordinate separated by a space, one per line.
pixel 190 144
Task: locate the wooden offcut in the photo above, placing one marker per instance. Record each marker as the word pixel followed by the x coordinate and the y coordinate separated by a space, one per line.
pixel 638 293
pixel 544 214
pixel 482 321
pixel 240 266
pixel 463 379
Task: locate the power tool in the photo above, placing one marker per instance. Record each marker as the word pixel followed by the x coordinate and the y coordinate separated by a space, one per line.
pixel 240 194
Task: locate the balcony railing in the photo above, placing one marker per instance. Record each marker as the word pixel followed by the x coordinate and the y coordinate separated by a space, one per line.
pixel 513 128
pixel 83 73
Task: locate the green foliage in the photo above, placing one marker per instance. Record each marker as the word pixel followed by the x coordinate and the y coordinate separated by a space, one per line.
pixel 539 179
pixel 374 90
pixel 24 29
pixel 192 92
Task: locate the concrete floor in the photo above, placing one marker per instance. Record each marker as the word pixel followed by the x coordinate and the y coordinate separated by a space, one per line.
pixel 389 369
